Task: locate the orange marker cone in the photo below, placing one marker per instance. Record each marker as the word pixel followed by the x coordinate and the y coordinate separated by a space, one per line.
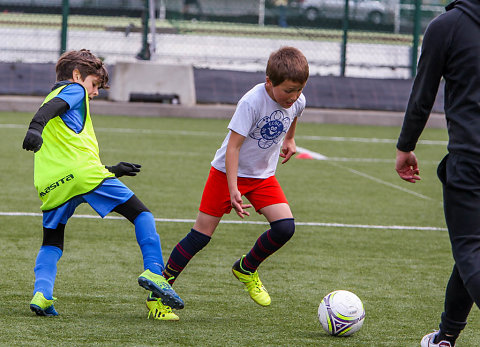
pixel 304 156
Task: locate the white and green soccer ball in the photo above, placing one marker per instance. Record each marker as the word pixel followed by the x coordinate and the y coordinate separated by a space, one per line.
pixel 341 313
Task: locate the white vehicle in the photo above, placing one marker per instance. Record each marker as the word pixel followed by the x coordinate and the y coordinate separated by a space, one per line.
pixel 372 11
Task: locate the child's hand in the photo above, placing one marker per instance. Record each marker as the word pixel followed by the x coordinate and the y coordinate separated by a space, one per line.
pixel 124 169
pixel 33 140
pixel 288 149
pixel 238 205
pixel 407 166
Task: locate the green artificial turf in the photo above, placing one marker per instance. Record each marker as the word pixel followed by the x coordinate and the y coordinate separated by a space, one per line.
pixel 351 212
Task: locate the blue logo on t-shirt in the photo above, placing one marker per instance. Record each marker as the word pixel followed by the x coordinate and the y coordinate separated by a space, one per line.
pixel 270 128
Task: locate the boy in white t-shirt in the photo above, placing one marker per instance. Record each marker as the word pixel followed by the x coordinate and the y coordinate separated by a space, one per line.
pixel 262 129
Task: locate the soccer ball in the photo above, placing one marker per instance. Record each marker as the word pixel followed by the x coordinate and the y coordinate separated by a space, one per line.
pixel 341 313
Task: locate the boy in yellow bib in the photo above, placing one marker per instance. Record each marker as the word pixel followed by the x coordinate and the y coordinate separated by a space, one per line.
pixel 68 172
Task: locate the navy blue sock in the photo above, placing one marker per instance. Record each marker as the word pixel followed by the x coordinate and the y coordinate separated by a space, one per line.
pixel 46 270
pixel 183 252
pixel 268 243
pixel 149 242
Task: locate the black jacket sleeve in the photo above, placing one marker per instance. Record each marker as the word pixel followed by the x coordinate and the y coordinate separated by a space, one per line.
pixel 429 73
pixel 49 110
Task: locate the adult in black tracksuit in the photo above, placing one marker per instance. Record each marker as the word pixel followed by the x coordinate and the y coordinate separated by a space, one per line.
pixel 451 49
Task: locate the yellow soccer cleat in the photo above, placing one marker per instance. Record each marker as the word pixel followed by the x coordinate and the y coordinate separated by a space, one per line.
pixel 42 306
pixel 162 289
pixel 158 310
pixel 253 285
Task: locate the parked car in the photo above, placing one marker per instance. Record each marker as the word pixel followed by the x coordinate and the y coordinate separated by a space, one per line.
pixel 371 11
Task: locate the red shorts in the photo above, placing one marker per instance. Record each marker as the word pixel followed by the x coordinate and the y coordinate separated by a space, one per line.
pixel 260 192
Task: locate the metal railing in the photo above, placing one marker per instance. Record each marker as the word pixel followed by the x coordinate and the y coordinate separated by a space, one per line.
pixel 358 38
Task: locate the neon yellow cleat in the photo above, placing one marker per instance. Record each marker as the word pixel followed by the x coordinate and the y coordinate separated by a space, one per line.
pixel 158 310
pixel 42 306
pixel 253 285
pixel 161 288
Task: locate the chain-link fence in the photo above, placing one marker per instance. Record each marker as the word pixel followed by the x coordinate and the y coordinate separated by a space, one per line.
pixel 378 40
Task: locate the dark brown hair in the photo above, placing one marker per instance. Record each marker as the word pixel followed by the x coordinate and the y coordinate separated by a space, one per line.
pixel 287 63
pixel 86 63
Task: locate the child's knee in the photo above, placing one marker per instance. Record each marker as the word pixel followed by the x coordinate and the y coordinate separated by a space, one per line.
pixel 54 237
pixel 131 208
pixel 283 229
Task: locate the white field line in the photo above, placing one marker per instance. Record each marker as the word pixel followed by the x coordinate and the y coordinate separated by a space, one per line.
pixel 314 155
pixel 369 160
pixel 319 156
pixel 206 133
pixel 212 134
pixel 370 177
pixel 365 140
pixel 313 224
pixel 160 131
pixel 14 126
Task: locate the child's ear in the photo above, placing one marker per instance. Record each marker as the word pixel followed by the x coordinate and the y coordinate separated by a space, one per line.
pixel 76 75
pixel 268 82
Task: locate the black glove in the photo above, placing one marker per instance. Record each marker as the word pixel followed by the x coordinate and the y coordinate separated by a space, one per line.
pixel 33 140
pixel 123 168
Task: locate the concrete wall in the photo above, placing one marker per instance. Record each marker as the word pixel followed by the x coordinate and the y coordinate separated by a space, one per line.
pixel 151 78
pixel 226 87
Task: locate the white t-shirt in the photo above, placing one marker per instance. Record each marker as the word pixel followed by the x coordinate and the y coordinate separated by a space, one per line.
pixel 264 124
